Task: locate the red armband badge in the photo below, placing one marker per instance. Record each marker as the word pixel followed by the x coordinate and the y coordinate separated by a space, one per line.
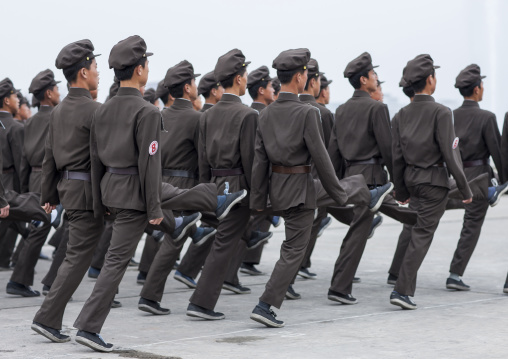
pixel 154 146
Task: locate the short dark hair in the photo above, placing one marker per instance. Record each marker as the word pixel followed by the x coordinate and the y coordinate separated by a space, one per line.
pixel 39 95
pixel 408 91
pixel 165 98
pixel 420 85
pixel 355 79
pixel 469 90
pixel 2 101
pixel 309 80
pixel 126 73
pixel 229 81
pixel 285 77
pixel 71 73
pixel 253 91
pixel 177 91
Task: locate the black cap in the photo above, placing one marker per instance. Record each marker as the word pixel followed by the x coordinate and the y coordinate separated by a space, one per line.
pixel 7 88
pixel 325 82
pixel 469 76
pixel 292 60
pixel 419 68
pixel 75 53
pixel 361 63
pixel 114 87
pixel 43 80
pixel 380 82
pixel 229 64
pixel 179 73
pixel 276 84
pixel 207 83
pixel 150 95
pixel 22 99
pixel 127 52
pixel 260 74
pixel 161 90
pixel 314 69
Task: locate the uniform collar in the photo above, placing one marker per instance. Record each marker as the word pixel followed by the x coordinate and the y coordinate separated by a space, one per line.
pixel 258 105
pixel 470 103
pixel 129 91
pixel 229 97
pixel 181 103
pixel 305 97
pixel 6 115
pixel 288 96
pixel 423 98
pixel 45 109
pixel 360 93
pixel 79 91
pixel 206 106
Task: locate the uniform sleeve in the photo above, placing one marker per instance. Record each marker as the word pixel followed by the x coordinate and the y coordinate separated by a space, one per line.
pixel 335 155
pixel 504 150
pixel 97 170
pixel 324 167
pixel 205 174
pixel 149 160
pixel 492 138
pixel 247 143
pixel 328 124
pixel 196 143
pixel 445 136
pixel 17 143
pixel 3 201
pixel 399 163
pixel 26 169
pixel 383 134
pixel 260 174
pixel 50 175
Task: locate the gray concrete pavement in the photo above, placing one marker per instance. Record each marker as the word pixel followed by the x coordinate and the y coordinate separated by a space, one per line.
pixel 446 325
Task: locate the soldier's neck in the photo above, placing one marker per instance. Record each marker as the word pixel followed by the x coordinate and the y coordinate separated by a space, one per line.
pixel 290 87
pixel 234 90
pixel 133 82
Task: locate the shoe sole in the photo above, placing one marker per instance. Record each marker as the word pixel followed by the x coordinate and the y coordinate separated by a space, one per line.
pixel 263 241
pixel 402 304
pixel 234 290
pixel 187 227
pixel 322 230
pixel 292 297
pixel 194 314
pixel 260 319
pixel 238 199
pixel 205 238
pixel 140 281
pixel 15 292
pixel 48 335
pixel 334 298
pixel 371 234
pixel 306 276
pixel 499 196
pixel 357 281
pixel 148 309
pixel 505 290
pixel 93 345
pixel 185 281
pixel 381 199
pixel 246 271
pixel 457 287
pixel 391 282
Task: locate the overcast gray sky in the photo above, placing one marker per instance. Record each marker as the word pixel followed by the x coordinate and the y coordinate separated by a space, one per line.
pixel 455 32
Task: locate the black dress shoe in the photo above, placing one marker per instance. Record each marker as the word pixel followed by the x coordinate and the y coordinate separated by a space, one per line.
pixel 141 279
pixel 153 307
pixel 357 280
pixel 378 194
pixel 57 223
pixel 238 289
pixel 22 290
pixel 133 263
pixel 291 294
pixel 402 301
pixel 341 298
pixel 500 190
pixel 505 289
pixel 456 284
pixel 187 223
pixel 93 341
pixel 45 289
pixel 265 317
pixel 44 257
pixel 231 200
pixel 116 304
pixel 196 311
pixel 392 279
pixel 158 236
pixel 202 235
pixel 52 334
pixel 257 238
pixel 250 269
pixel 305 273
pixel 376 222
pixel 325 223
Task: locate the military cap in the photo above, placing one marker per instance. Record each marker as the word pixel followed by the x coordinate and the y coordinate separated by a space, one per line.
pixel 325 82
pixel 292 60
pixel 35 102
pixel 22 99
pixel 469 76
pixel 42 80
pixel 207 83
pixel 314 69
pixel 179 73
pixel 229 64
pixel 260 74
pixel 127 52
pixel 276 84
pixel 380 82
pixel 150 95
pixel 75 53
pixel 418 68
pixel 114 88
pixel 7 88
pixel 361 63
pixel 161 90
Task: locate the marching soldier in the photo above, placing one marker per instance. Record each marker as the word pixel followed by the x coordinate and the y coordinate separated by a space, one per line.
pixel 24 112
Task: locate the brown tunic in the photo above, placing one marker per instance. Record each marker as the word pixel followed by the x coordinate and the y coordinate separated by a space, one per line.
pixel 504 150
pixel 328 120
pixel 11 141
pixel 258 106
pixel 206 106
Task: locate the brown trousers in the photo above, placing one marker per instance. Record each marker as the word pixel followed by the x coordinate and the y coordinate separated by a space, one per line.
pixel 103 245
pixel 195 258
pixel 59 255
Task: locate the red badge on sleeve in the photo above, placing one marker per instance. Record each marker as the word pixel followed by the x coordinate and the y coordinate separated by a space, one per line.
pixel 455 143
pixel 154 146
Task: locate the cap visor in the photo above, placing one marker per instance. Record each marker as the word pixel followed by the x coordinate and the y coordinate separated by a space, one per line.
pixel 94 55
pixel 149 54
pixel 197 75
pixel 321 73
pixel 482 77
pixel 375 66
pixel 437 67
pixel 247 62
pixel 330 81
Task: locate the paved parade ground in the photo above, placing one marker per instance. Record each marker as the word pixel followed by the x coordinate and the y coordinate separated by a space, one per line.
pixel 446 325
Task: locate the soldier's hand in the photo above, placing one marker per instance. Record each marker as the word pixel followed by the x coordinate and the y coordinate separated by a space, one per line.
pixel 405 202
pixel 4 212
pixel 155 221
pixel 467 201
pixel 48 208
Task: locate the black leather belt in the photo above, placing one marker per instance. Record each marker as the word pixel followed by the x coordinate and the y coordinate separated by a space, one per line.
pixel 476 163
pixel 372 161
pixel 178 173
pixel 8 170
pixel 218 172
pixel 439 164
pixel 72 175
pixel 293 170
pixel 123 171
pixel 36 169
